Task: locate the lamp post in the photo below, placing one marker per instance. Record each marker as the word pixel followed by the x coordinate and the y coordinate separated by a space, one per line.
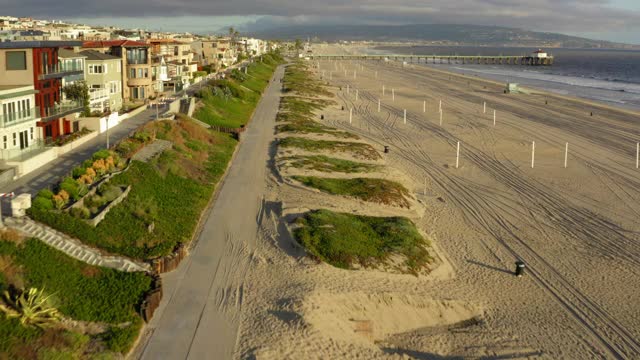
pixel 107 121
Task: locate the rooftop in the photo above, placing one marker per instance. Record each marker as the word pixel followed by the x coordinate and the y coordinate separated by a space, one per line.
pixel 97 55
pixel 38 44
pixel 112 43
pixel 69 54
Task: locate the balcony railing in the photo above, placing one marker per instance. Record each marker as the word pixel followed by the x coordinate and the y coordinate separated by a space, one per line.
pixel 98 94
pixel 60 70
pixel 20 117
pixel 64 108
pixel 35 147
pixel 134 61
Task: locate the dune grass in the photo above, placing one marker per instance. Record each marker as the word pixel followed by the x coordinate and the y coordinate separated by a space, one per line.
pixel 328 164
pixel 355 149
pixel 344 240
pixel 312 127
pixel 298 79
pixel 366 189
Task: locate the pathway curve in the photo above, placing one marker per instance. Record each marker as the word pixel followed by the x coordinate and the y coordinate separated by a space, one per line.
pixel 199 315
pixel 73 247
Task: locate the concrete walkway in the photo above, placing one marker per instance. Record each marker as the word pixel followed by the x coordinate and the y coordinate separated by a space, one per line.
pixel 49 174
pixel 199 315
pixel 73 247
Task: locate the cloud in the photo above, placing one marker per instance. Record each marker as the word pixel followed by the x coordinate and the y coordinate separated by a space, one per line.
pixel 541 15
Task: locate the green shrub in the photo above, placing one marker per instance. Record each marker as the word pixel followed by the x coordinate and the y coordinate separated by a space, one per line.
pixel 42 203
pixel 120 339
pixel 142 136
pixel 80 212
pixel 110 192
pixel 83 292
pixel 78 171
pixel 101 154
pixel 344 240
pixel 71 187
pixel 46 193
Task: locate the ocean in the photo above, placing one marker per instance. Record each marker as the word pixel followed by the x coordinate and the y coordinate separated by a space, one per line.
pixel 609 76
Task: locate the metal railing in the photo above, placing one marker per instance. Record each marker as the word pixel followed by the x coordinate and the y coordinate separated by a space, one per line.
pixel 60 69
pixel 98 94
pixel 62 109
pixel 35 147
pixel 137 61
pixel 19 117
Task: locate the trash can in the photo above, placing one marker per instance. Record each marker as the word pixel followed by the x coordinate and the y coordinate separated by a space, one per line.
pixel 519 268
pixel 386 149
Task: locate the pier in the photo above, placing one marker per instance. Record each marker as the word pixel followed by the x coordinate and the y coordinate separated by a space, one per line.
pixel 447 59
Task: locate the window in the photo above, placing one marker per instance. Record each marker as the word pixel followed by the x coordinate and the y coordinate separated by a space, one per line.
pixel 140 73
pixel 4 140
pixel 16 60
pixel 132 73
pixel 31 132
pixel 137 56
pixel 14 139
pixel 97 69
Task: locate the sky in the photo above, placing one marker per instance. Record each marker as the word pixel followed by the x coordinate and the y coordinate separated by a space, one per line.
pixel 615 20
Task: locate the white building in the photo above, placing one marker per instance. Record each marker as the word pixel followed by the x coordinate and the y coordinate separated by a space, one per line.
pixel 18 117
pixel 540 54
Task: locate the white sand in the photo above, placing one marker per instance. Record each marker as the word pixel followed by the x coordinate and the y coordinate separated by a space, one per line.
pixel 576 229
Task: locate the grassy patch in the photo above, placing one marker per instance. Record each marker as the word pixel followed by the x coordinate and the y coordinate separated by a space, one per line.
pixel 79 291
pixel 371 190
pixel 327 164
pixel 357 150
pixel 312 127
pixel 298 79
pixel 344 240
pixel 170 192
pixel 231 102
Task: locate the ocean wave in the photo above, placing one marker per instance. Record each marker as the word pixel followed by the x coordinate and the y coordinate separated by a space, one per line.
pixel 617 86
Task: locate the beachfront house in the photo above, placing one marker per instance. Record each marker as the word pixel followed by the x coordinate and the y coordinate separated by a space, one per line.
pixel 136 75
pixel 103 74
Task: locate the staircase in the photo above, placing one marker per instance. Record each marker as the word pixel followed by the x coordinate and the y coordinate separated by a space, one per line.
pixel 73 247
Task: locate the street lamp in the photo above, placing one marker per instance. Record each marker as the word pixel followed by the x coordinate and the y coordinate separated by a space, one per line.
pixel 107 121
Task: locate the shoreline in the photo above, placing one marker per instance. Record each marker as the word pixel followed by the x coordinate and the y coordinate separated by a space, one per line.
pixel 560 89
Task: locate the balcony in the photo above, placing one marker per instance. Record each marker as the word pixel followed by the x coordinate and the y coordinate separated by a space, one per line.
pixel 96 95
pixel 11 119
pixel 137 61
pixel 62 109
pixel 60 70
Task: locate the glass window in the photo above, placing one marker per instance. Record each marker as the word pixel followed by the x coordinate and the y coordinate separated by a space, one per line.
pixel 140 73
pixel 4 140
pixel 132 73
pixel 31 131
pixel 142 93
pixel 16 60
pixel 14 139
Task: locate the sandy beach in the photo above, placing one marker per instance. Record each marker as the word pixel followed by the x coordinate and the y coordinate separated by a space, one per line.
pixel 575 227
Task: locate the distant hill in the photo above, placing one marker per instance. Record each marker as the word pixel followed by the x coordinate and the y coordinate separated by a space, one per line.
pixel 436 33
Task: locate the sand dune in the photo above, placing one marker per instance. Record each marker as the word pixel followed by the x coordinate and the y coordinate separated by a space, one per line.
pixel 576 228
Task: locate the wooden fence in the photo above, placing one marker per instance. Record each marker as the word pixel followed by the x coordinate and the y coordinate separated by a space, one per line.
pixel 152 299
pixel 169 262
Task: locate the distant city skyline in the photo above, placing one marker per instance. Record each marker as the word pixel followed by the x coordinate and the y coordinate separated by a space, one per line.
pixel 613 20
